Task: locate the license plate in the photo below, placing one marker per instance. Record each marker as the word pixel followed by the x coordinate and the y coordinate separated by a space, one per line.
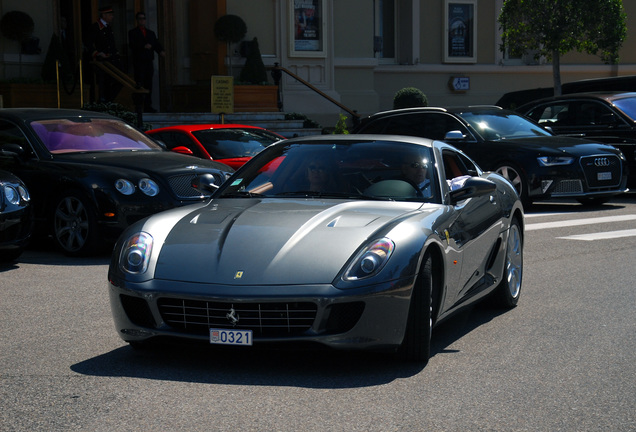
pixel 230 337
pixel 604 176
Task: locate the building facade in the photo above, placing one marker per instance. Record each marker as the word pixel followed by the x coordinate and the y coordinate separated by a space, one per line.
pixel 358 52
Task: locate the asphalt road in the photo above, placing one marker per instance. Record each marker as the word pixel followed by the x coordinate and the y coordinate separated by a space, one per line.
pixel 563 360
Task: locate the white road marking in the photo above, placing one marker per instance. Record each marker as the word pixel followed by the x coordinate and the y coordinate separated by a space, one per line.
pixel 578 222
pixel 601 236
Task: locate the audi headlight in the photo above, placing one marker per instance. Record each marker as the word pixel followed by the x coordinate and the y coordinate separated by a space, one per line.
pixel 555 160
pixel 135 253
pixel 370 260
pixel 148 187
pixel 11 195
pixel 125 186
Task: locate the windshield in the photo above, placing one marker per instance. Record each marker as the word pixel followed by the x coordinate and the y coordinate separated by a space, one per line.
pixel 339 169
pixel 68 136
pixel 232 143
pixel 628 106
pixel 494 126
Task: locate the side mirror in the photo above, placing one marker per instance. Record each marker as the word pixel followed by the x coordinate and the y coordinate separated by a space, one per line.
pixel 206 182
pixel 454 135
pixel 11 150
pixel 473 187
pixel 182 150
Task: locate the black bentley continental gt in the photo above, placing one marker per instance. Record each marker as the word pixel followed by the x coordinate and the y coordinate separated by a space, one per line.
pixel 91 175
pixel 15 217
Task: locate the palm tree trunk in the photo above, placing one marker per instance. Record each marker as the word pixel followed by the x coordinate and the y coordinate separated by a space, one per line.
pixel 556 72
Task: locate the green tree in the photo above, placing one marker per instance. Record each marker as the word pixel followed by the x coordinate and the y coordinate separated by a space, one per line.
pixel 552 28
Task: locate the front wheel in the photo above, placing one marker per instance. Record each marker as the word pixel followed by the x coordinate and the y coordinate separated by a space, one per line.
pixel 416 345
pixel 75 225
pixel 515 177
pixel 507 292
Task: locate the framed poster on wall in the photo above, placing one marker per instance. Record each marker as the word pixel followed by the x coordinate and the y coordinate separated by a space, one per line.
pixel 460 31
pixel 306 28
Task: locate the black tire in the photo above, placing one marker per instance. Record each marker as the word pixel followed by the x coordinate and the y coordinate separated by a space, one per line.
pixel 507 293
pixel 75 225
pixel 9 256
pixel 515 176
pixel 593 202
pixel 416 346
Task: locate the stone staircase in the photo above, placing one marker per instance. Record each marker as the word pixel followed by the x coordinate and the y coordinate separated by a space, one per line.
pixel 274 121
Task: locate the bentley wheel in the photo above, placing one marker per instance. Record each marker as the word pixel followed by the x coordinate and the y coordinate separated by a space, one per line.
pixel 75 225
pixel 416 345
pixel 507 292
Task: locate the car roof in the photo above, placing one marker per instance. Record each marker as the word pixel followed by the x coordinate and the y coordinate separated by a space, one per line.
pixel 358 137
pixel 602 95
pixel 30 114
pixel 197 127
pixel 450 109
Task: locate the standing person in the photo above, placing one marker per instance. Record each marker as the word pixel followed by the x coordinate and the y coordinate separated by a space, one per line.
pixel 102 47
pixel 143 44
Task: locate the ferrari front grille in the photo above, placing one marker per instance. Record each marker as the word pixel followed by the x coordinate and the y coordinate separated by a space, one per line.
pixel 182 186
pixel 264 319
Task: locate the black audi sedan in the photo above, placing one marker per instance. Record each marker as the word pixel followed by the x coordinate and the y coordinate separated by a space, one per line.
pixel 90 175
pixel 608 117
pixel 15 217
pixel 539 164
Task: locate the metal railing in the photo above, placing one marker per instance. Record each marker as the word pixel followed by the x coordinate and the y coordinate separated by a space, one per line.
pixel 277 74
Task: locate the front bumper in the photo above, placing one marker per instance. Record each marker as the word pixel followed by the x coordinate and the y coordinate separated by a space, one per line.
pixel 370 317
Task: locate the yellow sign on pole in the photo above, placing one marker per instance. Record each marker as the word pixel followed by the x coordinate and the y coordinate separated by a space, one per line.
pixel 222 94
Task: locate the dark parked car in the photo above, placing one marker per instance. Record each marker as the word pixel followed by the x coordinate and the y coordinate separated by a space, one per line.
pixel 539 164
pixel 231 144
pixel 91 175
pixel 15 217
pixel 604 117
pixel 323 240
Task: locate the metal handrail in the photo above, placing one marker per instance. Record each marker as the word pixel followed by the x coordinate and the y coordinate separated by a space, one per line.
pixel 277 73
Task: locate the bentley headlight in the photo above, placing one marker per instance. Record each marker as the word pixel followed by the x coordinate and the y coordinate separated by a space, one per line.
pixel 555 160
pixel 24 194
pixel 370 260
pixel 135 253
pixel 149 187
pixel 11 195
pixel 125 186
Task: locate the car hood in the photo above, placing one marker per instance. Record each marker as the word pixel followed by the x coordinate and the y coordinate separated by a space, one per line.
pixel 166 162
pixel 561 144
pixel 271 241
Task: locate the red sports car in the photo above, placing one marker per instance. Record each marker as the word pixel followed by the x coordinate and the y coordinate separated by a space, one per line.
pixel 231 144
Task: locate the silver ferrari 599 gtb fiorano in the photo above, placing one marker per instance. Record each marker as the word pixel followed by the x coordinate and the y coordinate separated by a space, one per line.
pixel 346 241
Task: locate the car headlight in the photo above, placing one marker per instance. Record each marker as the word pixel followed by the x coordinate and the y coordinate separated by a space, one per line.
pixel 135 253
pixel 125 186
pixel 370 260
pixel 149 187
pixel 24 193
pixel 11 195
pixel 555 160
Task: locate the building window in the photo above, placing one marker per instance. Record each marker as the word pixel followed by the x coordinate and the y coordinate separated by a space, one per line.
pixel 384 22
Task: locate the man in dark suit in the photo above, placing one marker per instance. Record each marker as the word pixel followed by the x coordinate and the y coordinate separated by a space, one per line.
pixel 102 47
pixel 143 44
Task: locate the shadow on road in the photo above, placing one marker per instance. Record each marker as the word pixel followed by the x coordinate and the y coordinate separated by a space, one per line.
pixel 275 367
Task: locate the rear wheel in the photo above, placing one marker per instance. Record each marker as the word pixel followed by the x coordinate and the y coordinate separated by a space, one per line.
pixel 75 225
pixel 416 345
pixel 507 292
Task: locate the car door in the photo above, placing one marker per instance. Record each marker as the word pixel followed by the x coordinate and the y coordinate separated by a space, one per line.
pixel 475 230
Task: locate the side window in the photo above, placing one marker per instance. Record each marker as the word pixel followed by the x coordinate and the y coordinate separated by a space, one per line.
pixel 548 115
pixel 454 166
